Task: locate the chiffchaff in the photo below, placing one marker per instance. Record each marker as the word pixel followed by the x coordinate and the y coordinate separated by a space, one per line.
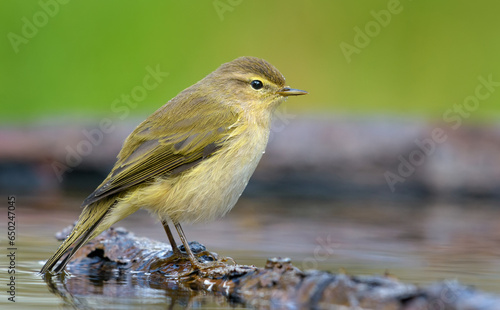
pixel 191 159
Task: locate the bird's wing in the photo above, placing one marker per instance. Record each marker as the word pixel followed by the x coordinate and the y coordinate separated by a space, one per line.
pixel 167 149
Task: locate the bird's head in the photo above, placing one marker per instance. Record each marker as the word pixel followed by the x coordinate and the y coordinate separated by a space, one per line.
pixel 251 83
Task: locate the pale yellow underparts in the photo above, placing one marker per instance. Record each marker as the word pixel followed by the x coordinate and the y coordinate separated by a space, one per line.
pixel 207 191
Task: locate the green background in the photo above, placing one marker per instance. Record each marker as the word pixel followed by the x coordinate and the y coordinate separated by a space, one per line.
pixel 89 53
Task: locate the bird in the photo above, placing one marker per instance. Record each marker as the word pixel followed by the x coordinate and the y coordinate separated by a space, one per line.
pixel 190 160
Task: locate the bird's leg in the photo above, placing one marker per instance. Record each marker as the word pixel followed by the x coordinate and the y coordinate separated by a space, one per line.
pixel 189 255
pixel 175 249
pixel 176 253
pixel 194 261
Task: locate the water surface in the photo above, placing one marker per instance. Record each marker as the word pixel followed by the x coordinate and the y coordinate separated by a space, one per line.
pixel 418 243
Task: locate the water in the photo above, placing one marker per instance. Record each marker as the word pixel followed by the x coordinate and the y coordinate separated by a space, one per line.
pixel 418 243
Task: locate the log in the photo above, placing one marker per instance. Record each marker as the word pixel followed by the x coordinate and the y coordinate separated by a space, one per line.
pixel 118 255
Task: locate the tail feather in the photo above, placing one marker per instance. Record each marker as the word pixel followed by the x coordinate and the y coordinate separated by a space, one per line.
pixel 87 227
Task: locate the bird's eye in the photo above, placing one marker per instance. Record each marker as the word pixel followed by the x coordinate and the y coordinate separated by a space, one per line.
pixel 256 84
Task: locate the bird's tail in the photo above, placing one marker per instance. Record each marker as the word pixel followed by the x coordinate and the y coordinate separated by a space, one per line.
pixel 87 227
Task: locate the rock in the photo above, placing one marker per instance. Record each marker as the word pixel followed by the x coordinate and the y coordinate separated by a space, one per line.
pixel 120 256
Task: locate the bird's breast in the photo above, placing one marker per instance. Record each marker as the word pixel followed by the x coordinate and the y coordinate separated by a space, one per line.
pixel 210 189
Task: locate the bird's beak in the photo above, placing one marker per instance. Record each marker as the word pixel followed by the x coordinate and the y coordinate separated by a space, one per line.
pixel 287 91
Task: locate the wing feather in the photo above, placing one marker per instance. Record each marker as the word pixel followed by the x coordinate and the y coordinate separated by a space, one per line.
pixel 153 151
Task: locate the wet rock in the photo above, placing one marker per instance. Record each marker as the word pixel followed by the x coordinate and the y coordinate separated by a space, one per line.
pixel 117 255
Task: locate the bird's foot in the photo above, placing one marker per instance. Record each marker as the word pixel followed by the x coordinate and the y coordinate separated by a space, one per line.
pixel 208 260
pixel 177 264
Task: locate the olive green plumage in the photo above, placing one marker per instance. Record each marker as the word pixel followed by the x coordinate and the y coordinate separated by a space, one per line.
pixel 191 159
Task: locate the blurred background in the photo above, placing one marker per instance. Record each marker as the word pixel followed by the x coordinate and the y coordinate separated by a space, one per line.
pixel 393 157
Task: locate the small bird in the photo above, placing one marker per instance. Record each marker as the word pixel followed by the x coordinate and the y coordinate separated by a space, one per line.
pixel 190 160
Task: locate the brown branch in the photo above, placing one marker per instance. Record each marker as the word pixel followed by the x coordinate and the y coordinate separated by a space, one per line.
pixel 117 255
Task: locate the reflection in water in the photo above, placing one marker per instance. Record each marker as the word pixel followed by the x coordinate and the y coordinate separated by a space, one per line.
pixel 130 291
pixel 417 242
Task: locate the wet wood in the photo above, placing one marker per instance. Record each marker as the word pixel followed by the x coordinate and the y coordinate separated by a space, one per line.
pixel 118 255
